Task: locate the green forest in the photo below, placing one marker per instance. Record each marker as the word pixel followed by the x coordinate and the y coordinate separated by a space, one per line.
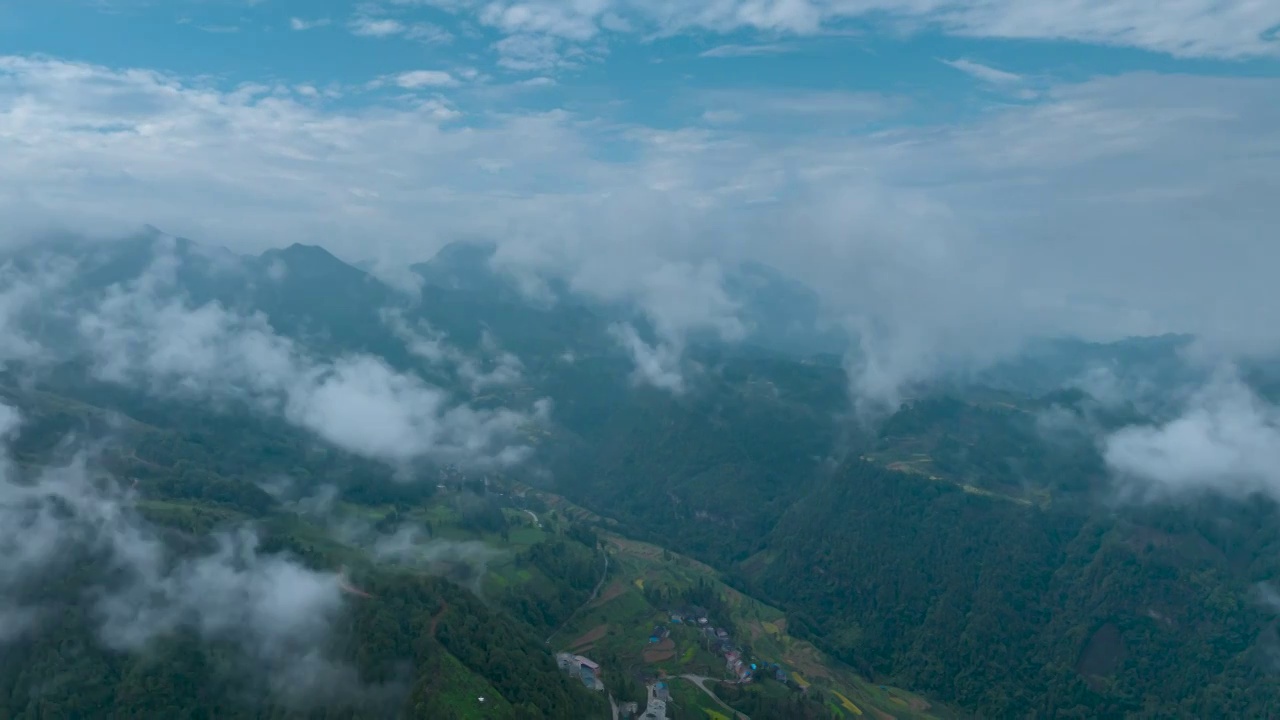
pixel 956 550
pixel 416 645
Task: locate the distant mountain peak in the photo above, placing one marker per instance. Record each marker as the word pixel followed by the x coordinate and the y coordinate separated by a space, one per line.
pixel 462 264
pixel 299 256
pixel 465 253
pixel 308 251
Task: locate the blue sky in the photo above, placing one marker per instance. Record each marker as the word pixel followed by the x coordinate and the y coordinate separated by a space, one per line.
pixel 625 56
pixel 955 175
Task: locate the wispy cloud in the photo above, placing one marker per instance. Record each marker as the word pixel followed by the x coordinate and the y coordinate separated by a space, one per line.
pixel 276 614
pixel 734 51
pixel 415 79
pixel 526 52
pixel 146 335
pixel 383 27
pixel 301 24
pixel 1197 28
pixel 970 235
pixel 656 364
pixel 1226 440
pixel 985 73
pixel 503 369
pixel 376 27
pixel 428 33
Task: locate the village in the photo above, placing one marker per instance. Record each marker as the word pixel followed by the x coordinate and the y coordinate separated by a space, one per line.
pixel 663 638
pixel 738 665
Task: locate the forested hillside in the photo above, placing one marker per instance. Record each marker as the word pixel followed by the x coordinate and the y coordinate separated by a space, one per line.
pixel 1010 609
pixel 187 486
pixel 970 544
pixel 960 552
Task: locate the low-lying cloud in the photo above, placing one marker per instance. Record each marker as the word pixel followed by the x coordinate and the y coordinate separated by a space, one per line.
pixel 147 334
pixel 1082 212
pixel 73 521
pixel 1226 440
pixel 497 369
pixel 406 543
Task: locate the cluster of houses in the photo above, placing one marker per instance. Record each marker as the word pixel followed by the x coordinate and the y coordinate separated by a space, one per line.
pixel 722 645
pixel 583 668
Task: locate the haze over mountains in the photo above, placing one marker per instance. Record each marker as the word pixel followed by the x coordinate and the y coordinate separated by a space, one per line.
pixel 928 346
pixel 157 308
pixel 1017 537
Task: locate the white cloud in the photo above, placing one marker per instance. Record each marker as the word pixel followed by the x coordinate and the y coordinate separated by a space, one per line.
pixel 1193 28
pixel 407 544
pixel 1086 211
pixel 278 613
pixel 658 364
pixel 415 79
pixel 530 52
pixel 503 368
pixel 376 27
pixel 146 335
pixel 428 33
pixel 383 27
pixel 733 51
pixel 300 24
pixel 1226 440
pixel 985 73
pixel 24 292
pixel 571 20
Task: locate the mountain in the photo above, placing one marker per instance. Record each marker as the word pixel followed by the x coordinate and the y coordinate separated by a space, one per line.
pixel 780 313
pixel 193 592
pixel 963 545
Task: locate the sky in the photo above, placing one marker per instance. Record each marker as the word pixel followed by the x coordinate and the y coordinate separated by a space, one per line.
pixel 953 178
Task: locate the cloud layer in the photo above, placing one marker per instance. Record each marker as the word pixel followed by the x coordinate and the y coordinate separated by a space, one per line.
pixel 72 521
pixel 1225 440
pixel 1118 205
pixel 1193 28
pixel 146 334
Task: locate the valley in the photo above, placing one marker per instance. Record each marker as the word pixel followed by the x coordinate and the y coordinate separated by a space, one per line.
pixel 644 594
pixel 633 621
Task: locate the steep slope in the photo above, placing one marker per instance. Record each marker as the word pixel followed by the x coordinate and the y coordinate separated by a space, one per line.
pixel 1010 610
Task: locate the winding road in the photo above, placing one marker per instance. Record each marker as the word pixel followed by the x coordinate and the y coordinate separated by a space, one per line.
pixel 701 682
pixel 534 515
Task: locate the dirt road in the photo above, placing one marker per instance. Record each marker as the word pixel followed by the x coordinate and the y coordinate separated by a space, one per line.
pixel 701 682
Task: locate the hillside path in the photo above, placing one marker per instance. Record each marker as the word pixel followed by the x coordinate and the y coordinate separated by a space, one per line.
pixel 701 682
